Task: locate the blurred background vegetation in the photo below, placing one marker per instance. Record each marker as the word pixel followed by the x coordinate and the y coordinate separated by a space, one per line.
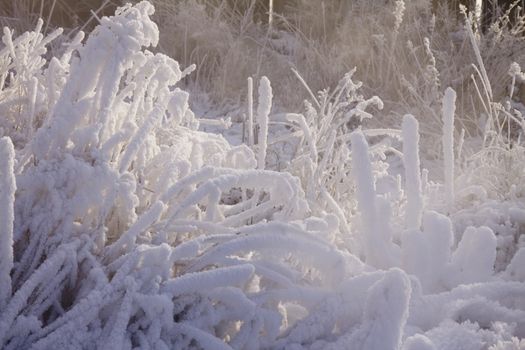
pixel 406 52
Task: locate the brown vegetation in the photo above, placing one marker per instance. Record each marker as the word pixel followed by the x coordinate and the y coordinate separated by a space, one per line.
pixel 69 14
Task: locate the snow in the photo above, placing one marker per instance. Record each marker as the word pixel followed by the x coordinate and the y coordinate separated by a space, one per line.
pixel 418 342
pixel 515 269
pixel 475 255
pixel 385 314
pixel 122 225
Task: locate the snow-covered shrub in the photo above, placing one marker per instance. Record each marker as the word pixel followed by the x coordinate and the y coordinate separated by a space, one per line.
pixel 23 85
pixel 321 157
pixel 441 255
pixel 123 208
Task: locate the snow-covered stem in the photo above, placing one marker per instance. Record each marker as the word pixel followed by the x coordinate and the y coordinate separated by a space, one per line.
pixel 128 238
pixel 250 111
pixel 31 119
pixel 263 114
pixel 376 245
pixel 270 15
pixel 449 107
pixel 461 142
pixel 138 139
pixel 7 217
pixel 364 180
pixel 475 47
pixel 414 207
pixel 303 82
pixel 221 277
pixel 307 133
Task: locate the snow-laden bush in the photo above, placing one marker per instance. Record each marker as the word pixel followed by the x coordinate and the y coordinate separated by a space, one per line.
pixel 122 226
pixel 125 213
pixel 382 217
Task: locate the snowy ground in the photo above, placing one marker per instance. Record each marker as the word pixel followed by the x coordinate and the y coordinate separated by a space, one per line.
pixel 125 224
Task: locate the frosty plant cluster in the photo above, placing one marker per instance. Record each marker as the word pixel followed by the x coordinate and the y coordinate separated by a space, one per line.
pixel 124 227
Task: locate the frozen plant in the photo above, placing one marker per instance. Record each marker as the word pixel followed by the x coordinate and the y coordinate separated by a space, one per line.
pixel 322 153
pixel 411 163
pixel 124 226
pixel 263 113
pixel 7 217
pixel 122 237
pixel 379 249
pixel 449 108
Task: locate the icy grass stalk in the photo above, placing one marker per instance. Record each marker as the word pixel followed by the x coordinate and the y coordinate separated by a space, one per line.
pixel 219 277
pixel 7 216
pixel 364 180
pixel 414 207
pixel 475 47
pixel 138 139
pixel 128 238
pixel 270 15
pixel 33 94
pixel 263 113
pixel 250 112
pixel 449 107
pixel 514 72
